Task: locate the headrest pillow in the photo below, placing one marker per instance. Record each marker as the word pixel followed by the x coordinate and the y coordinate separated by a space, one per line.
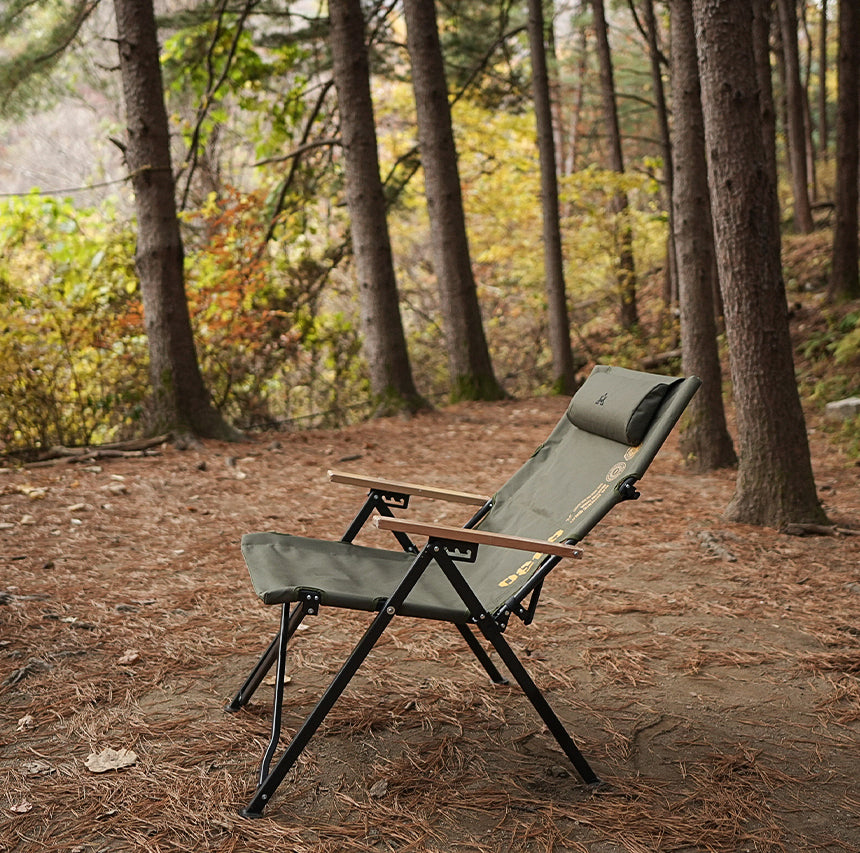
pixel 618 404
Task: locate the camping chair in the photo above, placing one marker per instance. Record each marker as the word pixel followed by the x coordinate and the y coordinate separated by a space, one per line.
pixel 472 577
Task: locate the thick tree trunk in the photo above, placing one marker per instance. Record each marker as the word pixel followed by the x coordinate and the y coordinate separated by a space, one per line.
pixel 705 442
pixel 844 281
pixel 626 276
pixel 181 401
pixel 775 485
pixel 787 12
pixel 564 379
pixel 469 362
pixel 391 381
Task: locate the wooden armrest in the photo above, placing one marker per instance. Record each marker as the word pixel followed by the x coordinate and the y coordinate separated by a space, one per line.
pixel 479 537
pixel 406 488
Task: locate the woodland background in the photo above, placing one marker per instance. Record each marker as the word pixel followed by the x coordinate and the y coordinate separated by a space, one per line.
pixel 260 187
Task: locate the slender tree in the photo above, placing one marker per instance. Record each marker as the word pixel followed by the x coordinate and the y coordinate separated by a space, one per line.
pixel 761 29
pixel 559 321
pixel 391 379
pixel 844 280
pixel 775 484
pixel 808 121
pixel 794 95
pixel 823 125
pixel 181 401
pixel 472 376
pixel 656 59
pixel 626 267
pixel 705 442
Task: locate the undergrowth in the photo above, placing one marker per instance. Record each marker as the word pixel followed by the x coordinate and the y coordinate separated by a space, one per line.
pixel 277 331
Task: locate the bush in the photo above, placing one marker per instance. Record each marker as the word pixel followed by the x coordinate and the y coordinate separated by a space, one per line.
pixel 72 350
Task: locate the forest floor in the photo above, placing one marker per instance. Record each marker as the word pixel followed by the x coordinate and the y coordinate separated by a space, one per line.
pixel 710 671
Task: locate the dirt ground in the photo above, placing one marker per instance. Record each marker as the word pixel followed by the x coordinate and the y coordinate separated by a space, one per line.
pixel 709 671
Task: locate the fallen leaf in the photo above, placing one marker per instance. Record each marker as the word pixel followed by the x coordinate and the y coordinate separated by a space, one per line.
pixel 110 759
pixel 25 722
pixel 379 789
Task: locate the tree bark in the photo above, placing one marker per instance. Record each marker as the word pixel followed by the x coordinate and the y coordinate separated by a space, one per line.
pixel 808 122
pixel 626 276
pixel 796 135
pixel 704 441
pixel 767 109
pixel 671 290
pixel 181 401
pixel 823 127
pixel 564 379
pixel 775 485
pixel 391 381
pixel 844 281
pixel 469 362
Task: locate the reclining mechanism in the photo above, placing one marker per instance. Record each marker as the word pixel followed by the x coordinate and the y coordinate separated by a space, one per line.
pixel 477 576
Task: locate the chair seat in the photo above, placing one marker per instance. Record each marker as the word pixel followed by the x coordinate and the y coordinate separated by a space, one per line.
pixel 283 566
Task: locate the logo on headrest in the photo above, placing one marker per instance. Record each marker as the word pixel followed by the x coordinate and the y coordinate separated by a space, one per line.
pixel 601 400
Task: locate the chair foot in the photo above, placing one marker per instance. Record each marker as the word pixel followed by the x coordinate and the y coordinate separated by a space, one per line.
pixel 252 814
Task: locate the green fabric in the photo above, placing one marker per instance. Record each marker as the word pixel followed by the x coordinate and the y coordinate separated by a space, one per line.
pixel 283 566
pixel 617 403
pixel 559 494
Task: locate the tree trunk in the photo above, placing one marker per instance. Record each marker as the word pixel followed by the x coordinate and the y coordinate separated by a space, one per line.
pixel 775 485
pixel 564 379
pixel 767 108
pixel 705 442
pixel 787 12
pixel 629 314
pixel 844 282
pixel 823 127
pixel 180 399
pixel 469 362
pixel 391 382
pixel 575 101
pixel 654 54
pixel 808 122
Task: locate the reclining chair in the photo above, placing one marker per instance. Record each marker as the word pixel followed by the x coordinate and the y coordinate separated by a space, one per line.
pixel 472 577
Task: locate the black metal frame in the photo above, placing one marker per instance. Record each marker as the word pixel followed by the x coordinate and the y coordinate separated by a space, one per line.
pixel 446 552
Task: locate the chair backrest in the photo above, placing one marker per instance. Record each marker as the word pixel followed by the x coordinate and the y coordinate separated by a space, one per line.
pixel 609 435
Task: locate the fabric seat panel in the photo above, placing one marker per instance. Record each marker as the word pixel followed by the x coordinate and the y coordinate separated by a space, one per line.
pixel 346 575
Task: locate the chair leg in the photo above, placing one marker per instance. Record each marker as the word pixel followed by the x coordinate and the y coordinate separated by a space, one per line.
pixel 492 632
pixel 270 779
pixel 472 641
pixel 553 723
pixel 253 681
pixel 278 704
pixel 264 664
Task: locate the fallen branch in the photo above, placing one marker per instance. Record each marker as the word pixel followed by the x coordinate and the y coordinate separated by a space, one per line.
pixel 799 529
pixel 660 358
pixel 134 449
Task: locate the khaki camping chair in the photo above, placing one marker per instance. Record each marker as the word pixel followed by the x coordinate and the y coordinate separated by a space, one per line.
pixel 477 576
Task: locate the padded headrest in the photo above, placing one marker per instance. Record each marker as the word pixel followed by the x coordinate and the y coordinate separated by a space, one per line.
pixel 618 404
